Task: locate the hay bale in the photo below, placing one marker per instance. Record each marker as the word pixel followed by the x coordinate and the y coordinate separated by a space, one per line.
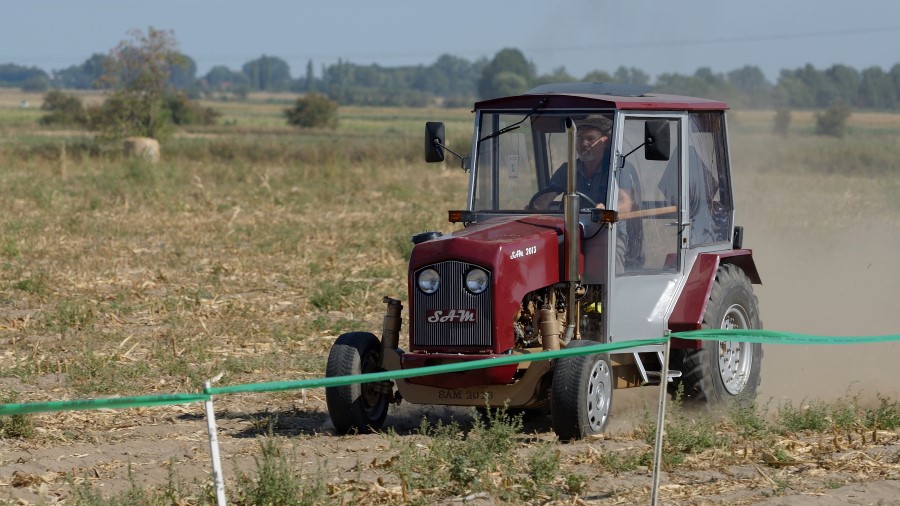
pixel 142 147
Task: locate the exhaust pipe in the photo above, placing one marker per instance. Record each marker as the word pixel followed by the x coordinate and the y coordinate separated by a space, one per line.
pixel 573 233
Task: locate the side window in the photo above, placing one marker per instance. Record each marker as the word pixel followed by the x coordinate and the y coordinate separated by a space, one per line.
pixel 710 203
pixel 647 204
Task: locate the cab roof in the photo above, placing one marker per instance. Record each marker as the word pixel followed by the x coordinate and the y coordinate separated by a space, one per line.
pixel 601 95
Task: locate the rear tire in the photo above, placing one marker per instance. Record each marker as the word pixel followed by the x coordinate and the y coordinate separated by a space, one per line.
pixel 360 408
pixel 720 372
pixel 581 394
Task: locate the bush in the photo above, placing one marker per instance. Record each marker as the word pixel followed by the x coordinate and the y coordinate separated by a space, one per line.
pixel 184 111
pixel 122 116
pixel 782 121
pixel 63 109
pixel 313 110
pixel 833 121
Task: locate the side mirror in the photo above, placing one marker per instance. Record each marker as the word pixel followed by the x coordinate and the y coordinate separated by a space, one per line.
pixel 434 141
pixel 656 139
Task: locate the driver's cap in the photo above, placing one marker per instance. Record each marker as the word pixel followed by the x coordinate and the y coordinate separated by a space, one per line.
pixel 597 121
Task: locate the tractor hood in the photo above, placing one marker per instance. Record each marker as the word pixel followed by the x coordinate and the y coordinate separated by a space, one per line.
pixel 510 247
pixel 520 253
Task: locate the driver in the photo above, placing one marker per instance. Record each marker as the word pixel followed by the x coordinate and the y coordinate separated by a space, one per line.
pixel 592 145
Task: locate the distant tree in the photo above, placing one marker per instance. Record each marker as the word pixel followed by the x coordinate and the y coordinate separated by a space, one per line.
pixel 509 62
pixel 313 110
pixel 448 76
pixel 268 73
pixel 598 76
pixel 751 85
pixel 843 85
pixel 749 79
pixel 81 77
pixel 895 78
pixel 221 78
pixel 37 84
pixel 16 75
pixel 833 121
pixel 680 84
pixel 138 72
pixel 63 109
pixel 632 75
pixel 310 78
pixel 183 73
pixel 558 75
pixel 801 86
pixel 508 83
pixel 876 89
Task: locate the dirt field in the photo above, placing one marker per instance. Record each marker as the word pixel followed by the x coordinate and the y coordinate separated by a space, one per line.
pixel 826 250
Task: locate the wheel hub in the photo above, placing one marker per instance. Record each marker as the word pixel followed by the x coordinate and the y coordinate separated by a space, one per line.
pixel 599 395
pixel 735 358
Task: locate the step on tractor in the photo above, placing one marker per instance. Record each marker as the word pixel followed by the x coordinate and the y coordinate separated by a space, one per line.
pixel 638 242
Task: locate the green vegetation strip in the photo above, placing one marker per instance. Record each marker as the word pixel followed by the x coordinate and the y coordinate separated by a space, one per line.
pixel 337 381
pixel 139 401
pixel 777 337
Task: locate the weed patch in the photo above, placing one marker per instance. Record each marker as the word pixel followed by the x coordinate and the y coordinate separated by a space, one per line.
pixel 276 481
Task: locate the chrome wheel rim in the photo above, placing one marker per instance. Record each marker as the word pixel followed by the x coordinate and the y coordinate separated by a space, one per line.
pixel 735 358
pixel 599 395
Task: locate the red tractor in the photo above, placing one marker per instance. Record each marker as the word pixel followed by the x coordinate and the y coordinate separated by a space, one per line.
pixel 638 241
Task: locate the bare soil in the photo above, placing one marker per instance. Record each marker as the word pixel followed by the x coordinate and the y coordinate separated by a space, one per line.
pixel 817 279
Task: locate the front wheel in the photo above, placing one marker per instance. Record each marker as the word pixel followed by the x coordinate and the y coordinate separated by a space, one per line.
pixel 723 371
pixel 581 396
pixel 359 408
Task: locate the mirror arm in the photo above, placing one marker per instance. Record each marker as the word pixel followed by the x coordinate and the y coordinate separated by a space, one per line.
pixel 622 159
pixel 462 160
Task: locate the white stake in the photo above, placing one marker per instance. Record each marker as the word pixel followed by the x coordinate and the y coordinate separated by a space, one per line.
pixel 660 423
pixel 214 448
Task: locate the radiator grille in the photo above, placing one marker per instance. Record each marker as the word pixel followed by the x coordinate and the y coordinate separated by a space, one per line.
pixel 452 295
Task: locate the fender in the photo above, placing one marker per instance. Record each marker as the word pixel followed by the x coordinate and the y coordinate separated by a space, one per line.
pixel 688 311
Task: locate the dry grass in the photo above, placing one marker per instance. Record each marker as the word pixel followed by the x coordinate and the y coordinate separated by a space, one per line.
pixel 252 245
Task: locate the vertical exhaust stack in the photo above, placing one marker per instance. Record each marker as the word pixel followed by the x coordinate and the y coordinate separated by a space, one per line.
pixel 573 233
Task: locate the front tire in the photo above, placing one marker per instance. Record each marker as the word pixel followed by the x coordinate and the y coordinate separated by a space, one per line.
pixel 581 396
pixel 720 372
pixel 360 408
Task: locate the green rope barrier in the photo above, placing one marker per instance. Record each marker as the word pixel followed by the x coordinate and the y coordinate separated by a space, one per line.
pixel 777 337
pixel 429 370
pixel 105 403
pixel 743 335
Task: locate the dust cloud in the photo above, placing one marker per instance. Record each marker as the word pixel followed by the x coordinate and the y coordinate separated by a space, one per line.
pixel 827 250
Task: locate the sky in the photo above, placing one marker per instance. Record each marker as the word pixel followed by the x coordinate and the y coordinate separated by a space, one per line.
pixel 662 36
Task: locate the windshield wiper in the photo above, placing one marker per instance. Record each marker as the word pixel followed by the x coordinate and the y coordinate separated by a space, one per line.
pixel 515 125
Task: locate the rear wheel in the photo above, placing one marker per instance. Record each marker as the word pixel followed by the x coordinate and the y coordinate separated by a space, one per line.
pixel 359 408
pixel 582 394
pixel 723 371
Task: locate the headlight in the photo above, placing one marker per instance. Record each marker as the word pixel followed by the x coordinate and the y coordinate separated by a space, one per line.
pixel 476 280
pixel 429 281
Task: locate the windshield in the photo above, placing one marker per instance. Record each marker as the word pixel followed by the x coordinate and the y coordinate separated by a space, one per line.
pixel 525 167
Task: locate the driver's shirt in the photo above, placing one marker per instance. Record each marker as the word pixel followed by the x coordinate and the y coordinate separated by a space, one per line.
pixel 594 186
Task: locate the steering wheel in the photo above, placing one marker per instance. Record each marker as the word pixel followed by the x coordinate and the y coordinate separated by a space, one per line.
pixel 552 204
